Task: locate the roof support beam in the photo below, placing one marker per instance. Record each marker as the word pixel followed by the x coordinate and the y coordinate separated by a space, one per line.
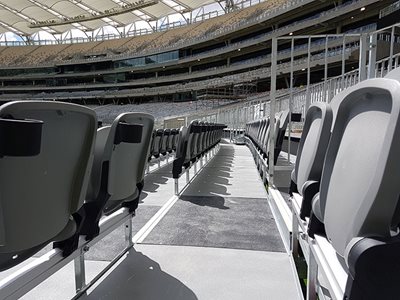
pixel 94 14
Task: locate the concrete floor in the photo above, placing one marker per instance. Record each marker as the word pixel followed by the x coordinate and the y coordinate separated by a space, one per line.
pixel 176 272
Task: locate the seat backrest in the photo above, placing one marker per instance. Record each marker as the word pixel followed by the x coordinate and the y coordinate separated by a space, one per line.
pixel 151 147
pixel 164 141
pixel 158 142
pixel 125 146
pixel 313 144
pixel 261 130
pixel 359 186
pixel 394 74
pixel 40 193
pixel 176 139
pixel 190 138
pixel 196 139
pixel 170 142
pixel 264 135
pixel 281 129
pixel 180 152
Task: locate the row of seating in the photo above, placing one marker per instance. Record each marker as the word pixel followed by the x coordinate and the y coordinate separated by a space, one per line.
pixel 346 183
pixel 163 142
pixel 259 133
pixel 60 174
pixel 193 143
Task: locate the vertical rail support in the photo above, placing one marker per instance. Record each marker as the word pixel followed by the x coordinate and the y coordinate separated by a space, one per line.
pixel 294 241
pixel 363 57
pixel 187 176
pixel 312 272
pixel 343 85
pixel 128 233
pixel 195 167
pixel 274 57
pixel 159 162
pixel 373 39
pixel 308 92
pixel 326 69
pixel 290 98
pixel 392 37
pixel 176 186
pixel 80 276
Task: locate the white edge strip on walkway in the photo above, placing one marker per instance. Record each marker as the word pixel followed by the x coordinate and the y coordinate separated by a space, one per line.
pixel 149 226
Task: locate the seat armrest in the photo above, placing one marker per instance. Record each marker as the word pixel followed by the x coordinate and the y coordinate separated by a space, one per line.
pixel 373 265
pixel 309 190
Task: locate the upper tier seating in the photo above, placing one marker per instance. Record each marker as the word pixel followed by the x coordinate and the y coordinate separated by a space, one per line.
pixel 44 175
pixel 118 169
pixel 14 56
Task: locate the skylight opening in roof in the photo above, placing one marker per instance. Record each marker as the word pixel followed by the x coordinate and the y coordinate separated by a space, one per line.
pixel 174 5
pixel 141 15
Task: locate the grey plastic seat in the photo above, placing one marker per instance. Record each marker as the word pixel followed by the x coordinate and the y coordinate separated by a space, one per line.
pixel 261 132
pixel 190 141
pixel 265 142
pixel 158 136
pixel 164 141
pixel 359 190
pixel 176 139
pixel 180 154
pixel 314 140
pixel 394 74
pixel 196 141
pixel 171 138
pixel 118 169
pixel 280 133
pixel 202 136
pixel 151 147
pixel 44 175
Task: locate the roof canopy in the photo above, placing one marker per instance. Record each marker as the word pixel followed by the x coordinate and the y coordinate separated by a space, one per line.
pixel 26 17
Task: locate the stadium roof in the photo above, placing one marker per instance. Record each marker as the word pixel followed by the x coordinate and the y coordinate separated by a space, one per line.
pixel 26 17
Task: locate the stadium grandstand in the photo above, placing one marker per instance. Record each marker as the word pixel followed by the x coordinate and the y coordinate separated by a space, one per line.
pixel 209 149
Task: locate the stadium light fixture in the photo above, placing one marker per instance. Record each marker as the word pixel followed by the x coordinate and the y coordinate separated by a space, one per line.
pixel 362 8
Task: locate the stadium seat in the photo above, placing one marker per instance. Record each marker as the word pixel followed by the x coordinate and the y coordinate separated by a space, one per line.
pixel 176 139
pixel 359 193
pixel 151 147
pixel 192 128
pixel 164 142
pixel 306 176
pixel 171 138
pixel 46 156
pixel 180 152
pixel 394 74
pixel 118 168
pixel 206 135
pixel 157 142
pixel 280 133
